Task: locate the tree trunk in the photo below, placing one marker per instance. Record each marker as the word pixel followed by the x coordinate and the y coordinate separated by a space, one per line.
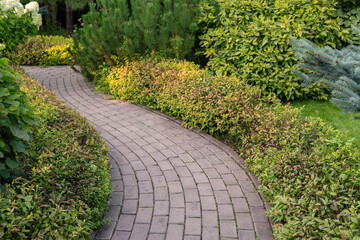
pixel 69 20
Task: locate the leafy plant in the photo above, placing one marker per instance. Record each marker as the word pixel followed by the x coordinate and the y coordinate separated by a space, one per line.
pixel 27 212
pixel 16 116
pixel 250 39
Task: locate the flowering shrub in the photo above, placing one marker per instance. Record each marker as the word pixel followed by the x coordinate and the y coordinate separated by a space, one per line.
pixel 309 172
pixel 16 22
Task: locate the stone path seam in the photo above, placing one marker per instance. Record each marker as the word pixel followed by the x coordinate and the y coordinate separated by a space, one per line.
pixel 169 182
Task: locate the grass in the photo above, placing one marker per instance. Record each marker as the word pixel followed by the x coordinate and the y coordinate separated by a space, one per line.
pixel 332 115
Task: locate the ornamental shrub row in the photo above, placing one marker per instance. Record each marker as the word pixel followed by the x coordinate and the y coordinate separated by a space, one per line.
pixel 65 186
pixel 43 50
pixel 309 172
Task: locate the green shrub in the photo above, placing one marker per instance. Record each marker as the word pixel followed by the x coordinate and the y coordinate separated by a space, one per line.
pixel 26 212
pixel 16 116
pixel 65 194
pixel 43 50
pixel 309 172
pixel 250 39
pixel 66 153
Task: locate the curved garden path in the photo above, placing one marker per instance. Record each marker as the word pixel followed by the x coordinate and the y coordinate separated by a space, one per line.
pixel 170 182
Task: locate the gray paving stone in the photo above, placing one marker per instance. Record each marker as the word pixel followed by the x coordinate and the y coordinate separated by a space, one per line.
pixel 129 206
pixel 146 200
pixel 161 193
pixel 192 226
pixel 175 232
pixel 208 203
pixel 144 215
pixel 188 182
pixel 240 205
pixel 228 229
pixel 191 195
pixel 210 233
pixel 121 235
pixel 156 236
pixel 126 222
pixel 226 212
pixel 159 224
pixel 177 215
pixel 193 209
pixel 200 177
pixel 177 200
pixel 210 219
pixel 161 208
pixel 244 221
pixel 140 231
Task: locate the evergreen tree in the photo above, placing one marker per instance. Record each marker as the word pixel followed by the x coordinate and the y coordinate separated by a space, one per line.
pixel 339 70
pixel 124 28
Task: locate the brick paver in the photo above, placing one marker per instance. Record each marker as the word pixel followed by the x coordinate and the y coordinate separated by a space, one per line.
pixel 169 182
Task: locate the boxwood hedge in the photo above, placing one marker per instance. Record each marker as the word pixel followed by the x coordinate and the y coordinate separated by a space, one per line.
pixel 309 172
pixel 64 190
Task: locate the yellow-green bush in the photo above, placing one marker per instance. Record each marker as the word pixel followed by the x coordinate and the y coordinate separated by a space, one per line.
pixel 57 55
pixel 43 50
pixel 310 173
pixel 250 39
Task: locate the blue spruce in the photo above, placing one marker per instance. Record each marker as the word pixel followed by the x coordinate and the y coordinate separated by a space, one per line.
pixel 339 70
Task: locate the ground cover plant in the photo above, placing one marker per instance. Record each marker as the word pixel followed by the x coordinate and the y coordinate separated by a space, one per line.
pixel 43 50
pixel 64 190
pixel 309 172
pixel 250 39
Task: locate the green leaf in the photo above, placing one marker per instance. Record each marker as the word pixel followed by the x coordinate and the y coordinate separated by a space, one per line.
pixel 11 163
pixel 20 134
pixel 18 147
pixel 4 92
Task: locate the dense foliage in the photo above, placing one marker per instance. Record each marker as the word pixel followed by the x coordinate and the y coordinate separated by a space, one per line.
pixel 17 22
pixel 67 184
pixel 16 116
pixel 250 39
pixel 43 50
pixel 310 172
pixel 348 12
pixel 126 28
pixel 338 70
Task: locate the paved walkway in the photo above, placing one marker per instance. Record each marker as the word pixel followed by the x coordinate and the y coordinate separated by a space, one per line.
pixel 170 182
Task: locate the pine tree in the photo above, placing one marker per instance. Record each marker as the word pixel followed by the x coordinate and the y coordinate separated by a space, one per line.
pixel 126 28
pixel 339 70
